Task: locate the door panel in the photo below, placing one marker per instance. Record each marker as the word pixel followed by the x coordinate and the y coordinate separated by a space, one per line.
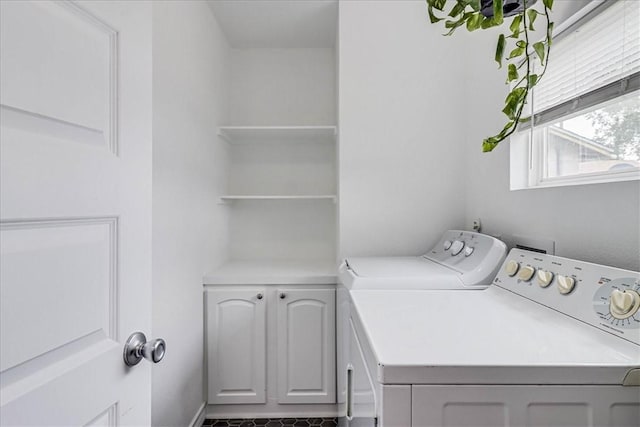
pixel 236 346
pixel 60 72
pixel 74 261
pixel 75 211
pixel 306 346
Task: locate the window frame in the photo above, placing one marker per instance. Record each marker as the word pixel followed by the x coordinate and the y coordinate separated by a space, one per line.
pixel 528 154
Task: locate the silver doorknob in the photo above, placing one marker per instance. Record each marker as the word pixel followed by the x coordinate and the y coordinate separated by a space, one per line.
pixel 137 348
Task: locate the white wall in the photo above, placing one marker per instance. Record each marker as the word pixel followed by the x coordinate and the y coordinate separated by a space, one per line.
pixel 402 95
pixel 190 81
pixel 597 223
pixel 283 87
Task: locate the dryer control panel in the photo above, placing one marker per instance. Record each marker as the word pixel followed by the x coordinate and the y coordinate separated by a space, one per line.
pixel 475 256
pixel 605 297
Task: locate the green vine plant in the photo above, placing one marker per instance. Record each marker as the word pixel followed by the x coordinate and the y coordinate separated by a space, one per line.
pixel 523 53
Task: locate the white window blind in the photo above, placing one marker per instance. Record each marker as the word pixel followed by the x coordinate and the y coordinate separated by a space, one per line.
pixel 591 62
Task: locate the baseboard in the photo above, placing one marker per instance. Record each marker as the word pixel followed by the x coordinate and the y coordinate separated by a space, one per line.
pixel 198 418
pixel 270 411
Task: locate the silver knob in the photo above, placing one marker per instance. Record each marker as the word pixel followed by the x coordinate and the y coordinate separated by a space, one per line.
pixel 282 295
pixel 137 348
pixel 259 296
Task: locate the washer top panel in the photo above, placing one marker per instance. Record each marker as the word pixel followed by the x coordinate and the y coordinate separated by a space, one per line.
pixel 486 337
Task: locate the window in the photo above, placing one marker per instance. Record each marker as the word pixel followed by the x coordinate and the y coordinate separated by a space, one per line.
pixel 586 109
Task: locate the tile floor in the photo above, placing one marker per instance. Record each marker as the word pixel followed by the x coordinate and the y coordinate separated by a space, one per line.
pixel 273 422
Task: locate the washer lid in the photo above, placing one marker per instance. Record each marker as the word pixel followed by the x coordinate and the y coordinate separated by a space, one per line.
pixel 398 273
pixel 395 267
pixel 486 337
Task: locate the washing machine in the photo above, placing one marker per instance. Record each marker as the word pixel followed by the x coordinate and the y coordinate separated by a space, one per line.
pixel 551 342
pixel 460 260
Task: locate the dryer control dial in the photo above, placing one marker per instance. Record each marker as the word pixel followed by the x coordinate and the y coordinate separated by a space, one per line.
pixel 446 245
pixel 566 284
pixel 623 304
pixel 511 267
pixel 544 278
pixel 456 247
pixel 526 273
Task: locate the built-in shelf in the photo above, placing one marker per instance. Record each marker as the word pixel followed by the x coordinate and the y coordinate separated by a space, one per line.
pixel 274 272
pixel 288 134
pixel 232 198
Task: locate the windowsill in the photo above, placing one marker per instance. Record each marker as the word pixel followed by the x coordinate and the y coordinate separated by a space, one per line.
pixel 584 180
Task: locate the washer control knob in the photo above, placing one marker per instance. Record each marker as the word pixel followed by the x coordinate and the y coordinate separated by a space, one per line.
pixel 526 273
pixel 624 304
pixel 456 247
pixel 544 278
pixel 468 251
pixel 566 284
pixel 447 245
pixel 511 267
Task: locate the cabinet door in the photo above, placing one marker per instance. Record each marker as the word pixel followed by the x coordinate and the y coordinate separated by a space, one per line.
pixel 236 350
pixel 306 346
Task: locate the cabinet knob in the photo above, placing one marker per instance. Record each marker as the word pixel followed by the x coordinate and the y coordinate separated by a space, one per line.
pixel 282 295
pixel 260 296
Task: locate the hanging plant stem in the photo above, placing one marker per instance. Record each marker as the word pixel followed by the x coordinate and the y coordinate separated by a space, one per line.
pixel 523 53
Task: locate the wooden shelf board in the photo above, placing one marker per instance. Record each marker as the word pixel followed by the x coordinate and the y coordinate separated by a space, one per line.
pixel 231 198
pixel 289 134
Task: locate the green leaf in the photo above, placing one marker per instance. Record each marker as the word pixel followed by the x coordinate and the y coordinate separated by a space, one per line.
pixel 457 10
pixel 453 25
pixel 548 4
pixel 533 14
pixel 475 5
pixel 500 50
pixel 539 48
pixel 511 105
pixel 549 32
pixel 489 144
pixel 533 80
pixel 515 24
pixel 524 119
pixel 512 73
pixel 498 16
pixel 474 21
pixel 497 8
pixel 509 111
pixel 519 93
pixel 437 4
pixel 432 17
pixel 506 127
pixel 516 52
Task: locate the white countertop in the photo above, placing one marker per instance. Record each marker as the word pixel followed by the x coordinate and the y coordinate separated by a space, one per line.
pixel 488 337
pixel 274 272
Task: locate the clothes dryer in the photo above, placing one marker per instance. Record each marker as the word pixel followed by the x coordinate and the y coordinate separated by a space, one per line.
pixel 552 342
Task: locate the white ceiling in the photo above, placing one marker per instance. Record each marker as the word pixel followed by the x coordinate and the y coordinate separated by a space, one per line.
pixel 277 23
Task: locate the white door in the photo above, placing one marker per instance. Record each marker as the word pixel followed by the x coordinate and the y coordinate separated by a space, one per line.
pixel 236 345
pixel 306 346
pixel 75 211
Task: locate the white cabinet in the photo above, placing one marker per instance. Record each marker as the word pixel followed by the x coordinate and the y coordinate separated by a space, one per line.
pixel 236 345
pixel 306 346
pixel 283 333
